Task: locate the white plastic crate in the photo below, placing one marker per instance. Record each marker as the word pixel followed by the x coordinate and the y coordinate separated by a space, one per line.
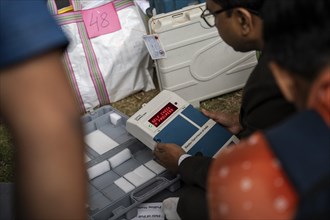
pixel 122 171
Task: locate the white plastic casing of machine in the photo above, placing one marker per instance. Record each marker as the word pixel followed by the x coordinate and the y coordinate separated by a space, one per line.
pixel 199 65
pixel 168 118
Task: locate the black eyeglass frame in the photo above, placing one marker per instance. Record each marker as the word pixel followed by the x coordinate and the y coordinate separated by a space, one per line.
pixel 223 10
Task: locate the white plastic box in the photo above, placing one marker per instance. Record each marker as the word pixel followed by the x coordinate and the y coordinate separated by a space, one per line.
pixel 199 65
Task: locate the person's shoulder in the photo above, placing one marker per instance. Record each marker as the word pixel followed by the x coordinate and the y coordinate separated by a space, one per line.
pixel 249 180
pixel 27 30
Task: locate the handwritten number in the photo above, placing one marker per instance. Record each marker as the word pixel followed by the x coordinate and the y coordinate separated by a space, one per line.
pixel 104 23
pixel 95 21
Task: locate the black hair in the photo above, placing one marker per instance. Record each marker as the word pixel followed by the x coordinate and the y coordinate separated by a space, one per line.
pixel 297 35
pixel 254 5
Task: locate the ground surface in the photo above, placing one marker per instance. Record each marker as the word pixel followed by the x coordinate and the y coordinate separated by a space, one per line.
pixel 228 103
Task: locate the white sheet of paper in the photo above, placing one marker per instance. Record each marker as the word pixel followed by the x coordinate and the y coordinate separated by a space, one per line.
pixel 124 184
pixel 135 179
pixel 100 142
pixel 155 167
pixel 150 211
pixel 144 172
pixel 139 176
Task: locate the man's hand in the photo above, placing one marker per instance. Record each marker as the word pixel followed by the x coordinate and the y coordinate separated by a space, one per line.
pixel 168 155
pixel 229 121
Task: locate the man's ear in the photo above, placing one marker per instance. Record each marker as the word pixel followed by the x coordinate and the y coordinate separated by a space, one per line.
pixel 244 19
pixel 284 80
pixel 320 91
pixel 325 87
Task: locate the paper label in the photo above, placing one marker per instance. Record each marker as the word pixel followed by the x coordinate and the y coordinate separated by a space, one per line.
pixel 101 20
pixel 150 211
pixel 154 46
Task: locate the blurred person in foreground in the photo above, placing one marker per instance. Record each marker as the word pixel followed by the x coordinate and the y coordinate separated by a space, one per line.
pixel 38 106
pixel 284 172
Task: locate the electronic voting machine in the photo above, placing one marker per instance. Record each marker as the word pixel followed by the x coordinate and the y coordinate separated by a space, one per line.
pixel 168 118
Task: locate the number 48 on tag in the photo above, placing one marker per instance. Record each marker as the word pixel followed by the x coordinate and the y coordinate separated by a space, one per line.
pixel 101 20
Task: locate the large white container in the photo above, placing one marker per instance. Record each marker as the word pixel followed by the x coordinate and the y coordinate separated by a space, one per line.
pixel 199 65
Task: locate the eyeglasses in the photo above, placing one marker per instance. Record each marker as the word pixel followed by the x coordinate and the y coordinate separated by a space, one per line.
pixel 209 17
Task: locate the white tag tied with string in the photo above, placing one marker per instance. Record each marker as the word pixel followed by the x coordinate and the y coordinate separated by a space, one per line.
pixel 155 48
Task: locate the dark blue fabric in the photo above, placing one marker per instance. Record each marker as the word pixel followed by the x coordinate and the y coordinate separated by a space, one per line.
pixel 302 144
pixel 263 104
pixel 7 201
pixel 27 29
pixel 165 6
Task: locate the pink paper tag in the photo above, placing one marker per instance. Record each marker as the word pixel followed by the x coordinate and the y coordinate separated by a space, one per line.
pixel 101 20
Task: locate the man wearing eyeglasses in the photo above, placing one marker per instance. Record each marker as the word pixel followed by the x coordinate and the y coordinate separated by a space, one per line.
pixel 239 23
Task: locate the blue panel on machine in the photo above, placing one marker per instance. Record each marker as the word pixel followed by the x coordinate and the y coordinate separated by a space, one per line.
pixel 178 132
pixel 195 116
pixel 211 142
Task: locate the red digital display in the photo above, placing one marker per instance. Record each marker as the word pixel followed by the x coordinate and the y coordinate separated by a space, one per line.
pixel 163 114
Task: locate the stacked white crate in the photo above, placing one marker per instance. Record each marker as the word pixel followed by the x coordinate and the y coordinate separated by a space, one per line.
pixel 199 65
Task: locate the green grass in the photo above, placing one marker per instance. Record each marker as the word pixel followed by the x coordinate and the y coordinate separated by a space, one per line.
pixel 6 155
